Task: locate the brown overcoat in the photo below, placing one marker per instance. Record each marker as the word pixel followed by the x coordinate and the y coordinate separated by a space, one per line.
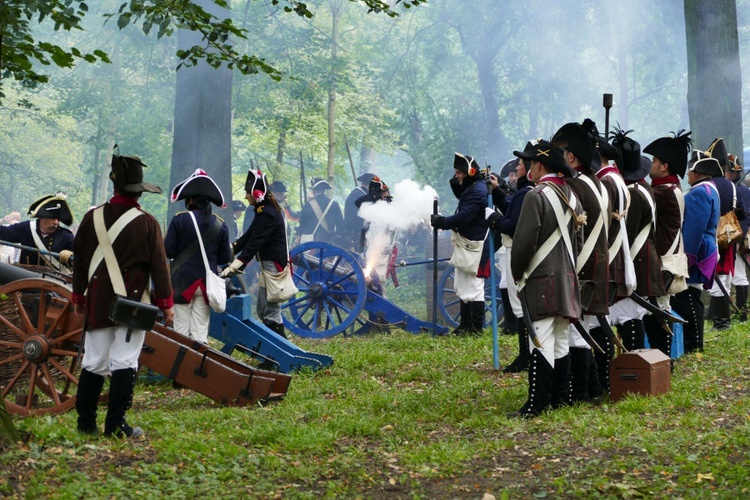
pixel 140 254
pixel 646 261
pixel 596 267
pixel 552 288
pixel 616 194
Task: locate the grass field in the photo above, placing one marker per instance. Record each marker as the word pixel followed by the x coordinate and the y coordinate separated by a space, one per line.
pixel 409 416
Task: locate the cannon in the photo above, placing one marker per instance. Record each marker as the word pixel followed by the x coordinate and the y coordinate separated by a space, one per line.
pixel 41 352
pixel 336 296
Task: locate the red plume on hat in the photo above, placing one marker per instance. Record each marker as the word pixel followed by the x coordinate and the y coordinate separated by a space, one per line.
pixel 256 185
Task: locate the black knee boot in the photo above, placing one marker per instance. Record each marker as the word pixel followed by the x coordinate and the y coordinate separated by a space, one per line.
pixel 561 379
pixel 464 319
pixel 579 373
pixel 720 313
pixel 521 362
pixel 689 306
pixel 276 328
pixel 603 359
pixel 632 334
pixel 540 387
pixel 741 294
pixel 477 316
pixel 87 400
pixel 511 322
pixel 121 388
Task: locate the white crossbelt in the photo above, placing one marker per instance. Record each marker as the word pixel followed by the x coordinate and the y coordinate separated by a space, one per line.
pixel 40 245
pixel 640 238
pixel 599 225
pixel 113 232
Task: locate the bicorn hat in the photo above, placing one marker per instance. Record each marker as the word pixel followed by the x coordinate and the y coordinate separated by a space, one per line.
pixel 510 166
pixel 127 175
pixel 52 206
pixel 238 206
pixel 606 149
pixel 466 164
pixel 577 141
pixel 703 163
pixel 734 164
pixel 376 187
pixel 256 185
pixel 199 184
pixel 672 150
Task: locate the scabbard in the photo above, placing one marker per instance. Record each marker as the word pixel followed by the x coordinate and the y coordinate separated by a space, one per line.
pixel 725 292
pixel 587 336
pixel 527 318
pixel 610 333
pixel 654 310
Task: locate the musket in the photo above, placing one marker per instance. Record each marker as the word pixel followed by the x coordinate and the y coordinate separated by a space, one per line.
pixel 587 336
pixel 725 292
pixel 351 163
pixel 303 182
pixel 655 311
pixel 493 290
pixel 434 270
pixel 604 324
pixel 527 318
pixel 32 249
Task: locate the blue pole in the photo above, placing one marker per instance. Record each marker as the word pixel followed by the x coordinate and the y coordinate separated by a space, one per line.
pixel 493 285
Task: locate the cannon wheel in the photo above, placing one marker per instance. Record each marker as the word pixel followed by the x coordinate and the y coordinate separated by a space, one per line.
pixel 449 305
pixel 331 296
pixel 38 347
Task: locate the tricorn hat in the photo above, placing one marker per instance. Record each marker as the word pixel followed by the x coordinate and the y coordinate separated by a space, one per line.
pixel 703 163
pixel 318 184
pixel 256 185
pixel 547 154
pixel 278 187
pixel 510 166
pixel 718 150
pixel 199 184
pixel 238 206
pixel 52 206
pixel 672 150
pixel 577 141
pixel 466 164
pixel 365 178
pixel 631 164
pixel 127 175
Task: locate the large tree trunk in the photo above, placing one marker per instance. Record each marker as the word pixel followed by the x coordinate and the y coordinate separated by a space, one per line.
pixel 335 14
pixel 202 123
pixel 714 77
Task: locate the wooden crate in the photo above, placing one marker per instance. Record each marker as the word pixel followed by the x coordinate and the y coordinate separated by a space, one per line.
pixel 643 371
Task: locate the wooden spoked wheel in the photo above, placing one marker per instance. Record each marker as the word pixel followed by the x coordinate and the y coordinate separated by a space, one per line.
pixel 39 347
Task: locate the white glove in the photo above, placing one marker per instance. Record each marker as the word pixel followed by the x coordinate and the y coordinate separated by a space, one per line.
pixel 487 212
pixel 232 269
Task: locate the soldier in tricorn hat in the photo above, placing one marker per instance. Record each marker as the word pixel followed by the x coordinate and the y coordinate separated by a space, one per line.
pixel 543 263
pixel 734 172
pixel 730 206
pixel 111 349
pixel 44 232
pixel 320 219
pixel 699 237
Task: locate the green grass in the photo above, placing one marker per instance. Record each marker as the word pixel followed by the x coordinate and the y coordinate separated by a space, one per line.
pixel 410 416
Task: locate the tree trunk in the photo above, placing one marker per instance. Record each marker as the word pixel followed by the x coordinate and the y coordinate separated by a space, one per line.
pixel 714 77
pixel 335 13
pixel 202 123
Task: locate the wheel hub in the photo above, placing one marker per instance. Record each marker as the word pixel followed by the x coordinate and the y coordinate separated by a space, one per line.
pixel 36 348
pixel 316 291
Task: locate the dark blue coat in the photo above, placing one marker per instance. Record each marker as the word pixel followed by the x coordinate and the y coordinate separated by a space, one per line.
pixel 743 196
pixel 62 239
pixel 265 237
pixel 469 218
pixel 699 231
pixel 192 273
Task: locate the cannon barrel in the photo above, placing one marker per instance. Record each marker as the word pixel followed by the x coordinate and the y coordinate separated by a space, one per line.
pixel 10 273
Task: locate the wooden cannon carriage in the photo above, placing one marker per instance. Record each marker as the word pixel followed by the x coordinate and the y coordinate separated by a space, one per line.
pixel 40 352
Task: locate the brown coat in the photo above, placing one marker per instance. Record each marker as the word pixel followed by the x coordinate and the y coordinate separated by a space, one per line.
pixel 596 267
pixel 140 254
pixel 647 261
pixel 617 266
pixel 552 288
pixel 668 219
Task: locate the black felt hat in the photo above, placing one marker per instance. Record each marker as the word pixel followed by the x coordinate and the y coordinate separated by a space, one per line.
pixel 547 154
pixel 734 164
pixel 606 149
pixel 466 164
pixel 703 163
pixel 317 184
pixel 631 163
pixel 376 187
pixel 576 140
pixel 672 150
pixel 278 187
pixel 127 175
pixel 718 150
pixel 52 206
pixel 510 166
pixel 365 178
pixel 199 184
pixel 256 185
